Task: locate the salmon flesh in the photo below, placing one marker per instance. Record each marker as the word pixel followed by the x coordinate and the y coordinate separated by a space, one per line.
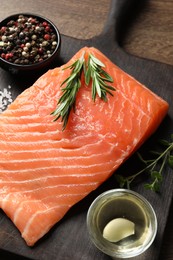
pixel 44 171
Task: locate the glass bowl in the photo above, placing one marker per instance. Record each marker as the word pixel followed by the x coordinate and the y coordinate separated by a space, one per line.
pixel 126 204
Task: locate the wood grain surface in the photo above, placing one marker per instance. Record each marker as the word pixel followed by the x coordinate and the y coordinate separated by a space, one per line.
pixel 149 34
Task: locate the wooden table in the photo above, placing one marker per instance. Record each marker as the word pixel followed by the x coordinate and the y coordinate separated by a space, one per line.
pixel 148 34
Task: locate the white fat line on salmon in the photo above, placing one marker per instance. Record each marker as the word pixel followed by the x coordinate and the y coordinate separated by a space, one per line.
pixel 59 161
pixel 8 198
pixel 38 180
pixel 62 145
pixel 5 98
pixel 45 169
pixel 79 152
pixel 143 86
pixel 25 193
pixel 46 144
pixel 56 160
pixel 69 152
pixel 61 151
pixel 46 134
pixel 40 144
pixel 57 135
pixel 67 186
pixel 140 108
pixel 42 201
pixel 13 196
pixel 76 176
pixel 56 188
pixel 23 109
pixel 57 157
pixel 27 227
pixel 53 134
pixel 133 97
pixel 19 118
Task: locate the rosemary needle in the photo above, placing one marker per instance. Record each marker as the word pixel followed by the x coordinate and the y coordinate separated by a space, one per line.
pixel 67 100
pixel 99 78
pixel 93 72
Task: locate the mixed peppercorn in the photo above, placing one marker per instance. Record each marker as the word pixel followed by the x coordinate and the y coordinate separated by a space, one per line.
pixel 27 40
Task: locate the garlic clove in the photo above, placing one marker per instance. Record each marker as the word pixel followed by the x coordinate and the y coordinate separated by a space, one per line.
pixel 118 229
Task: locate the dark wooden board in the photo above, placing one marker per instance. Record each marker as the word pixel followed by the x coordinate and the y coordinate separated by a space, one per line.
pixel 69 238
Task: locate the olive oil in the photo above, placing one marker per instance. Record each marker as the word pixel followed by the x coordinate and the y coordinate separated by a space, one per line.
pixel 122 203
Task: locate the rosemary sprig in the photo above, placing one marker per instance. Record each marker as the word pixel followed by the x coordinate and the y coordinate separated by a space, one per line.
pixel 154 167
pixel 92 71
pixel 99 78
pixel 67 100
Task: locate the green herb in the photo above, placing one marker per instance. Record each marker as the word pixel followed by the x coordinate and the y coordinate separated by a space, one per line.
pixel 154 167
pixel 92 71
pixel 99 78
pixel 67 100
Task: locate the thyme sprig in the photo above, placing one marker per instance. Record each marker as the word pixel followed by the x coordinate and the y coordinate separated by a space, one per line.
pixel 68 99
pixel 93 72
pixel 99 78
pixel 154 167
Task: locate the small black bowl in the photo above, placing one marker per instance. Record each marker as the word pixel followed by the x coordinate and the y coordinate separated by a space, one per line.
pixel 38 56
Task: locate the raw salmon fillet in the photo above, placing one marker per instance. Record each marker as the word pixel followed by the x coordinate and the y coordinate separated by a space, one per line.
pixel 44 171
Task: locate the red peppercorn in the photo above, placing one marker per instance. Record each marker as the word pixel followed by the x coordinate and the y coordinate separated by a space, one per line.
pixel 3 29
pixel 33 21
pixel 8 56
pixel 45 24
pixel 40 50
pixel 3 55
pixel 47 28
pixel 22 45
pixel 47 37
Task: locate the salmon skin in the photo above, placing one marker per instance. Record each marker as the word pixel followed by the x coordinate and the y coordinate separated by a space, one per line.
pixel 44 171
